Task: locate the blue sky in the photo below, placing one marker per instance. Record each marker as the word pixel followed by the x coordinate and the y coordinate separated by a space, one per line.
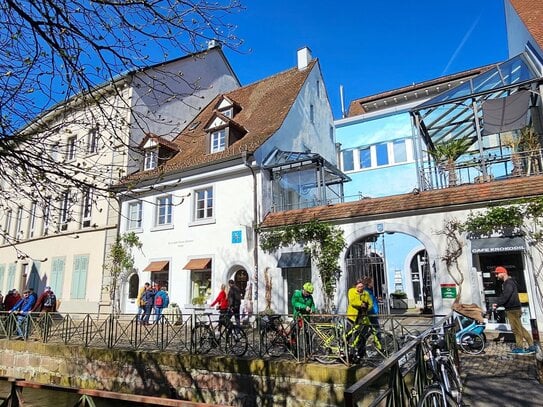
pixel 369 47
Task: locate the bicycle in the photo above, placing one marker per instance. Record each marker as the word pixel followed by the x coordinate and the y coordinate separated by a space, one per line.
pixel 276 337
pixel 219 334
pixel 333 341
pixel 445 389
pixel 470 335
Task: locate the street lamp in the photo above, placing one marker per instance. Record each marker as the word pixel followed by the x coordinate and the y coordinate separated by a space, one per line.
pixel 385 271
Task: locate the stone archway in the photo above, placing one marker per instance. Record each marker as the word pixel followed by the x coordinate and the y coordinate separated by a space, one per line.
pixel 366 255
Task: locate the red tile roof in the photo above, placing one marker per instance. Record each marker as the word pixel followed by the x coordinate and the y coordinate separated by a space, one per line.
pixel 531 14
pixel 448 199
pixel 264 106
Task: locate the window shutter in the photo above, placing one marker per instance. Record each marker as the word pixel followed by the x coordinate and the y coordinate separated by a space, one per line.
pixel 57 275
pixel 2 272
pixel 79 277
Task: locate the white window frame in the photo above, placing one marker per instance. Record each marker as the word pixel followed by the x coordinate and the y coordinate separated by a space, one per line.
pixel 19 223
pixel 32 219
pixel 150 161
pixel 46 217
pixel 164 202
pixel 86 208
pixel 134 215
pixel 63 216
pixel 218 140
pixel 92 141
pixel 7 225
pixel 71 148
pixel 201 205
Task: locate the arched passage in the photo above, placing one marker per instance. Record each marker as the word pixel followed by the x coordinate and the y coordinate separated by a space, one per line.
pixel 398 259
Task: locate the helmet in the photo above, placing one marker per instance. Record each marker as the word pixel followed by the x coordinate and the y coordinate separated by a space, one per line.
pixel 308 287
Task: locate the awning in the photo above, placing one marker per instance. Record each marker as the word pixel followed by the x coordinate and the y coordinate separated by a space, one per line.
pixel 498 244
pixel 294 259
pixel 198 264
pixel 155 266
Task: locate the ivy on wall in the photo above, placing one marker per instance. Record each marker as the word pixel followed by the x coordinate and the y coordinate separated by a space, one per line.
pixel 323 241
pixel 522 217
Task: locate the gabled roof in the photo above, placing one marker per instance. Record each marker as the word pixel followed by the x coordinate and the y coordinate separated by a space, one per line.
pixel 418 203
pixel 531 14
pixel 160 141
pixel 264 106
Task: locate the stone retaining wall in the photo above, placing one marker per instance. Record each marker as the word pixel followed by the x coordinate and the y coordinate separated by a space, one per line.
pixel 216 380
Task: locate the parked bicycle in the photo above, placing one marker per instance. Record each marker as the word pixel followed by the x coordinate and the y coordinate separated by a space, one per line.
pixel 277 336
pixel 445 388
pixel 219 334
pixel 334 341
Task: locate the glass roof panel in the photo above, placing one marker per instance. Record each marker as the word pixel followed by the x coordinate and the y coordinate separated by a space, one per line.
pixel 515 70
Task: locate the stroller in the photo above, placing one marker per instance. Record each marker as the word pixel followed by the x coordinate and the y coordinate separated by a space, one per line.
pixel 470 336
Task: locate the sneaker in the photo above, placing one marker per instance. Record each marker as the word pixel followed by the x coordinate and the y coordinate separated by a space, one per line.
pixel 530 349
pixel 518 351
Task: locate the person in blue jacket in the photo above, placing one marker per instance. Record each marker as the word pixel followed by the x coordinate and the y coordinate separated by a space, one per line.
pixel 161 301
pixel 373 312
pixel 22 308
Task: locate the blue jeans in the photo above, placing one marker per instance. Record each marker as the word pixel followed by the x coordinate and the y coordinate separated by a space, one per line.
pixel 158 313
pixel 22 326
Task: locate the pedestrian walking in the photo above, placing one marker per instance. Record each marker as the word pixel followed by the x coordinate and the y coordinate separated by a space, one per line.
pixel 511 302
pixel 140 303
pixel 234 300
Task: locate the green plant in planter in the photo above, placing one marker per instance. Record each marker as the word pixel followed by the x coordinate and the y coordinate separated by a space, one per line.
pixel 198 300
pixel 447 152
pixel 399 295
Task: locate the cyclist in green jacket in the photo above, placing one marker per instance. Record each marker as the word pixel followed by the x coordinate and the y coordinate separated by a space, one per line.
pixel 302 301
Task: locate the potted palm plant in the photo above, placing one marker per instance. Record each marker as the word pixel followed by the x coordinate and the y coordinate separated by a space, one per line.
pixel 446 154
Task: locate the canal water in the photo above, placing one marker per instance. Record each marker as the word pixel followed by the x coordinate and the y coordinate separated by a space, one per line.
pixel 49 398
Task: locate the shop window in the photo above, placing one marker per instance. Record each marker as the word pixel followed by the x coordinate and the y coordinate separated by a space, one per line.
pixel 200 286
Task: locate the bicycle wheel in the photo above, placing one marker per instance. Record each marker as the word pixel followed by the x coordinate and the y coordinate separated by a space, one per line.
pixel 380 346
pixel 236 341
pixel 325 346
pixel 273 343
pixel 472 343
pixel 433 396
pixel 451 379
pixel 202 338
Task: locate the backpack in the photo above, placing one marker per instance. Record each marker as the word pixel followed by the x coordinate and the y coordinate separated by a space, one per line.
pixel 159 300
pixel 49 300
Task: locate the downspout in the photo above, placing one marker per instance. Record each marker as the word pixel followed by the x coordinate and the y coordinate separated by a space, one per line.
pixel 245 157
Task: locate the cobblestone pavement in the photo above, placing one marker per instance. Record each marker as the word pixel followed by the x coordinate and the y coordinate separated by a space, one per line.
pixel 497 378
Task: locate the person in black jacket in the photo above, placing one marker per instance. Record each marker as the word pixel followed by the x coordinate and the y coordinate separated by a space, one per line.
pixel 234 300
pixel 511 302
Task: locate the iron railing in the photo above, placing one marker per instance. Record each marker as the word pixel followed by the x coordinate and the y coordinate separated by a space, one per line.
pixel 400 380
pixel 126 332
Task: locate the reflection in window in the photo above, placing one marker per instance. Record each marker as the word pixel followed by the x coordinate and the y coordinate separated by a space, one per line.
pixel 348 162
pixel 400 151
pixel 365 157
pixel 134 215
pixel 218 141
pixel 381 151
pixel 164 210
pixel 201 286
pixel 203 204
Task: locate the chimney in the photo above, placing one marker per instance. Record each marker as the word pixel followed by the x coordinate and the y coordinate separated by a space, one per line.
pixel 304 58
pixel 213 44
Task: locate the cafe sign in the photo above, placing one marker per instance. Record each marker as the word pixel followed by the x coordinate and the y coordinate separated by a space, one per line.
pixel 448 291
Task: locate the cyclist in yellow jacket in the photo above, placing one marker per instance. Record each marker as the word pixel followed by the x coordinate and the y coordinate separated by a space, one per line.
pixel 359 301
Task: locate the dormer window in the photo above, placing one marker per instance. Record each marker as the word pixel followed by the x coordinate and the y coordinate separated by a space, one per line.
pixel 228 112
pixel 218 140
pixel 151 159
pixel 156 151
